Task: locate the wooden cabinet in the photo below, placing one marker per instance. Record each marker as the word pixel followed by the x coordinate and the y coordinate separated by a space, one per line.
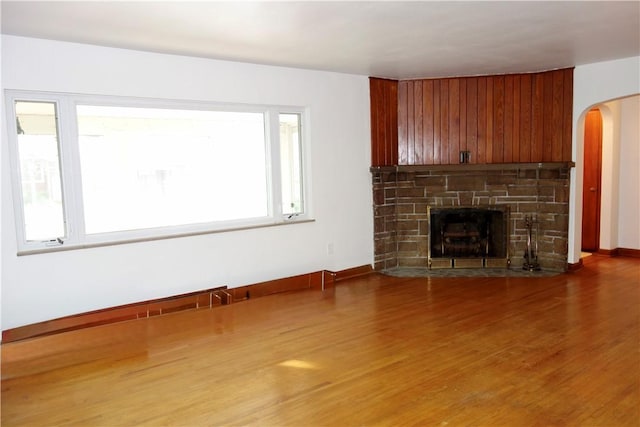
pixel 515 118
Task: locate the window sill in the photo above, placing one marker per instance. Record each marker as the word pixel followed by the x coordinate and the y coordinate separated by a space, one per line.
pixel 71 247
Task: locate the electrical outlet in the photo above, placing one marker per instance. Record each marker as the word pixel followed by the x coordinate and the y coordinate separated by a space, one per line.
pixel 330 248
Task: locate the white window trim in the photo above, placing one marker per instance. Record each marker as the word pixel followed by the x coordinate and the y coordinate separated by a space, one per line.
pixel 76 237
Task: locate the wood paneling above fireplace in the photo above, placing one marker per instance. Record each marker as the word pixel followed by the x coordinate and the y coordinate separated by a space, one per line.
pixel 384 121
pixel 516 118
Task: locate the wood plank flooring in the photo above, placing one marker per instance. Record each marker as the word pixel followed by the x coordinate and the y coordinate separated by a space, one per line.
pixel 374 351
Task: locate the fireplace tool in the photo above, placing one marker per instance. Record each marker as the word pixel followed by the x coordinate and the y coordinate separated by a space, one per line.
pixel 531 253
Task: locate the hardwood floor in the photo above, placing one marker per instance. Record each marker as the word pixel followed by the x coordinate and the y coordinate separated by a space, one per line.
pixel 376 350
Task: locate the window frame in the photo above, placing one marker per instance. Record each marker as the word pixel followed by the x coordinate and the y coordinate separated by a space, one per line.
pixel 71 177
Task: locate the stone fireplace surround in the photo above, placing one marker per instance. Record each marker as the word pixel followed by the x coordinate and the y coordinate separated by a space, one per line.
pixel 401 195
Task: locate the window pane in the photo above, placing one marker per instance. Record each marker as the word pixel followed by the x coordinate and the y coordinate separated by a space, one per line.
pixel 290 161
pixel 146 167
pixel 40 170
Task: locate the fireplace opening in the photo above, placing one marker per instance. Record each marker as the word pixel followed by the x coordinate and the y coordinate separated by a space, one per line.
pixel 468 237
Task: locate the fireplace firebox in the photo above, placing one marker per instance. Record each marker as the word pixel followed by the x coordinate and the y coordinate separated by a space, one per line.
pixel 468 237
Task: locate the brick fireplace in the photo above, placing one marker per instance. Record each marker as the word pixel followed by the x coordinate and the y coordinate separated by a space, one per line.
pixel 402 196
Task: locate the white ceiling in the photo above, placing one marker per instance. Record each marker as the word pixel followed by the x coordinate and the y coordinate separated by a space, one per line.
pixel 398 40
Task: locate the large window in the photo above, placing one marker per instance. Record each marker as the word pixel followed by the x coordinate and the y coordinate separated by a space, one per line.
pixel 99 170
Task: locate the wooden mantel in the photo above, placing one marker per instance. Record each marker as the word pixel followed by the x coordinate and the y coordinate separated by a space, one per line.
pixel 474 167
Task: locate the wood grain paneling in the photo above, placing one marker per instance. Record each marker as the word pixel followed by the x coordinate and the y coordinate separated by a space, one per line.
pixel 418 137
pixel 403 117
pixel 444 123
pixel 526 111
pixel 567 113
pixel 557 105
pixel 537 122
pixel 515 118
pixel 411 124
pixel 454 121
pixel 427 120
pixel 471 137
pixel 482 121
pixel 547 117
pixel 462 127
pixel 384 121
pixel 498 120
pixel 509 113
pixel 437 128
pixel 515 141
pixel 489 123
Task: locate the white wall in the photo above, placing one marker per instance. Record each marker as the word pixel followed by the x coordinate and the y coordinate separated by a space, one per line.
pixel 629 176
pixel 610 183
pixel 620 210
pixel 2 203
pixel 46 286
pixel 594 84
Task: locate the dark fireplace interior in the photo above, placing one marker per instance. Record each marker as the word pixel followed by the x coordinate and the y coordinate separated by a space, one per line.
pixel 468 232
